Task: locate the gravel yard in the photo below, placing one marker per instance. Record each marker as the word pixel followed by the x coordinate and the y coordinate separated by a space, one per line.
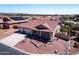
pixel 7 32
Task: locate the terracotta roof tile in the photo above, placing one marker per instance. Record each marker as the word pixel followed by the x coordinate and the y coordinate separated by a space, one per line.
pixel 51 24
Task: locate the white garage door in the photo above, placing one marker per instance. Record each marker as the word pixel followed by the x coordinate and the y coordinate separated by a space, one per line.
pixel 27 31
pixel 21 29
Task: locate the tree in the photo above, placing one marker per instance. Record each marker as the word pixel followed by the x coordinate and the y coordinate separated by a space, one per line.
pixel 0 26
pixel 75 27
pixel 15 27
pixel 5 19
pixel 76 16
pixel 5 24
pixel 65 17
pixel 76 45
pixel 65 28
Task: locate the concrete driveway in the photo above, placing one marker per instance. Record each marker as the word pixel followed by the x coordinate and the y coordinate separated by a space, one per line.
pixel 13 39
pixel 7 45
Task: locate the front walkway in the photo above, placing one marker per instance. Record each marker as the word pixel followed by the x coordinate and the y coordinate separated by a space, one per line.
pixel 13 39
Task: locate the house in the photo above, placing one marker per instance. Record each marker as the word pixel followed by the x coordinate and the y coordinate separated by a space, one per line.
pixel 44 29
pixel 9 22
pixel 17 18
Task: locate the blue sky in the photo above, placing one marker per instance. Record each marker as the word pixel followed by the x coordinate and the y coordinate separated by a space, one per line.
pixel 40 8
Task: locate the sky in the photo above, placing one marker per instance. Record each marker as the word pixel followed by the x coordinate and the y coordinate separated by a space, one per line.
pixel 40 8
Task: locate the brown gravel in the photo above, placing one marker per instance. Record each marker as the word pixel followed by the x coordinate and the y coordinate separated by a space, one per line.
pixel 73 50
pixel 42 48
pixel 7 32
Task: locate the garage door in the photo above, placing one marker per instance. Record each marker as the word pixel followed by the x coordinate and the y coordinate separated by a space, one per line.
pixel 27 31
pixel 21 30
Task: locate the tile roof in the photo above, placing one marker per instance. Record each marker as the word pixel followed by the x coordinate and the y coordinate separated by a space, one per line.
pixel 50 24
pixel 12 21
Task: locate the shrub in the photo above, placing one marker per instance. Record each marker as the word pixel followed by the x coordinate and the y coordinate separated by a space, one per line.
pixel 75 45
pixel 15 27
pixel 0 26
pixel 5 26
pixel 64 29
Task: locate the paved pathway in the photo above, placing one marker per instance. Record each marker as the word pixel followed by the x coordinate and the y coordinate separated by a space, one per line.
pixel 66 44
pixel 13 39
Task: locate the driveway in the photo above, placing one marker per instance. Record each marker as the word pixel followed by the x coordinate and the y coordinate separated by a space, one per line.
pixel 65 44
pixel 7 45
pixel 13 39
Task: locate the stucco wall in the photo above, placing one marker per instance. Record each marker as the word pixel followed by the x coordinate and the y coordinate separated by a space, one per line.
pixel 57 30
pixel 46 35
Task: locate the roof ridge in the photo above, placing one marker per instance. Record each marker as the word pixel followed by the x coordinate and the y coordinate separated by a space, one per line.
pixel 45 24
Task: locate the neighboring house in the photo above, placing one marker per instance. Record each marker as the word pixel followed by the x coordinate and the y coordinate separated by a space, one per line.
pixel 17 18
pixel 7 22
pixel 44 28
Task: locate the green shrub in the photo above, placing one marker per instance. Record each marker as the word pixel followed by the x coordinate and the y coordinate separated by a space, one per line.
pixel 75 45
pixel 15 27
